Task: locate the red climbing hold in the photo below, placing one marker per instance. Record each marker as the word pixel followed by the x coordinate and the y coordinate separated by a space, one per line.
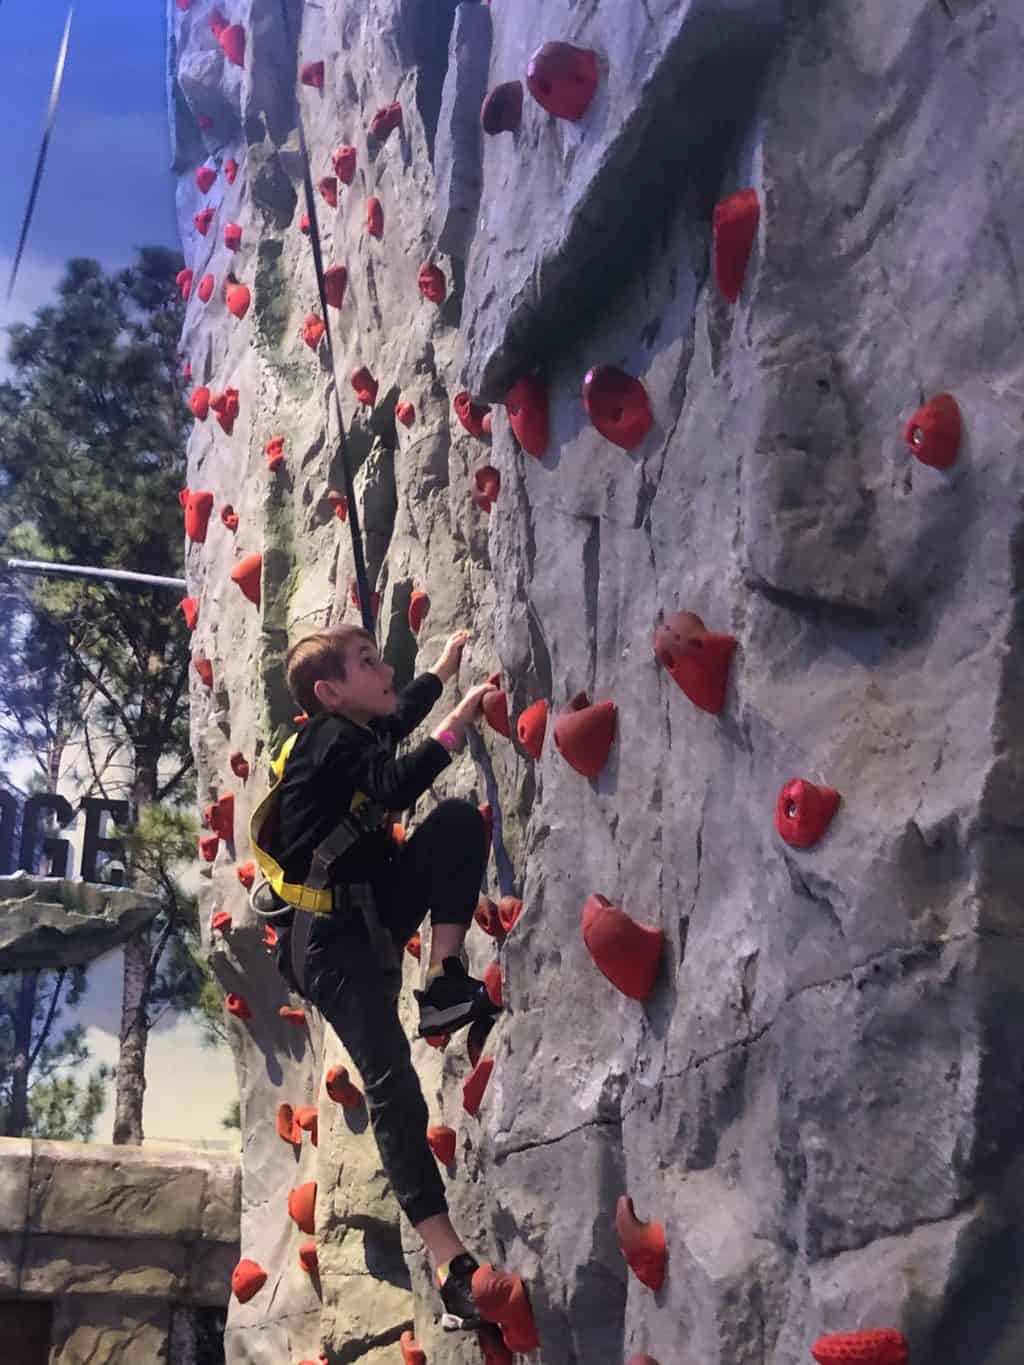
pixel 441 1141
pixel 222 817
pixel 341 1090
pixel 804 811
pixel 492 1346
pixel 300 720
pixel 229 517
pixel 641 1360
pixel 488 819
pixel 486 915
pixel 414 945
pixel 495 709
pixel 933 433
pixel 205 176
pixel 269 932
pixel 418 604
pixel 312 73
pixel 328 187
pixel 335 284
pixel 882 1346
pixel 274 451
pixel 642 1244
pixel 233 236
pixel 385 121
pixel 509 910
pixel 308 1258
pixel 304 224
pixel 247 1279
pixel 353 597
pixel 204 668
pixel 344 163
pixel 563 79
pixel 365 386
pixel 502 1299
pixel 471 415
pixel 238 297
pixel 292 1014
pixel 183 280
pixel 208 846
pixel 527 406
pixel 339 502
pixel 202 220
pixel 374 217
pixel 239 765
pixel 584 734
pixel 230 170
pixel 734 228
pixel 313 330
pixel 475 1084
pixel 617 405
pixel 697 659
pixel 184 5
pixel 205 122
pixel 438 1040
pixel 406 413
pixel 190 610
pixel 412 1352
pixel 217 23
pixel 246 873
pixel 492 980
pixel 532 727
pixel 186 372
pixel 225 405
pixel 246 574
pixel 206 287
pixel 198 507
pixel 306 1118
pixel 433 285
pixel 287 1129
pixel 627 953
pixel 232 42
pixel 236 1005
pixel 199 403
pixel 302 1206
pixel 502 110
pixel 221 922
pixel 486 424
pixel 488 486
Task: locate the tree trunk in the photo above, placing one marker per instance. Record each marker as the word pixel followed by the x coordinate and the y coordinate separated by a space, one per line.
pixel 17 1114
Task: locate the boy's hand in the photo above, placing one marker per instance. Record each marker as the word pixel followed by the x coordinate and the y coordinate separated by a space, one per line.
pixel 451 656
pixel 471 705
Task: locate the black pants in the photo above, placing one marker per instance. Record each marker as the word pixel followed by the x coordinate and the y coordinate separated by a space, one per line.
pixel 438 869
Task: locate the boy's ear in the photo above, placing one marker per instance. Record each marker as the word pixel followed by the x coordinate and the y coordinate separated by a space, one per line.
pixel 322 691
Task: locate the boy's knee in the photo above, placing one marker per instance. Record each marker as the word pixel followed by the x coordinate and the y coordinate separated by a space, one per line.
pixel 459 813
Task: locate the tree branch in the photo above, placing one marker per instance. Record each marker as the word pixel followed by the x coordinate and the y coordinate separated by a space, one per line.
pixel 171 783
pixel 33 1055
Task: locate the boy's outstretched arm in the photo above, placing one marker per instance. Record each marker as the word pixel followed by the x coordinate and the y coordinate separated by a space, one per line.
pixel 416 701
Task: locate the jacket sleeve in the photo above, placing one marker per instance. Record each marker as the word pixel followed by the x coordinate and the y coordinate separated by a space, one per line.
pixel 367 764
pixel 415 703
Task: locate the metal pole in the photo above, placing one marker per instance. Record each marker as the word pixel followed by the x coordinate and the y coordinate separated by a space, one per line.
pixel 146 580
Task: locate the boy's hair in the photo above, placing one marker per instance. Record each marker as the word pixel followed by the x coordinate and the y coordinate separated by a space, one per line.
pixel 320 655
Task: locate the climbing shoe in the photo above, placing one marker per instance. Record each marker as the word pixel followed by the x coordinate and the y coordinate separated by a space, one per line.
pixel 452 1000
pixel 456 1285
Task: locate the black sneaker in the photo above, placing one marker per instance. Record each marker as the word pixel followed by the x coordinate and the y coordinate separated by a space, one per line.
pixel 452 1001
pixel 461 1313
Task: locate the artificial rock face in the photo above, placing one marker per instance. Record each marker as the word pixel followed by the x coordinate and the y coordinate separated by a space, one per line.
pixel 818 1099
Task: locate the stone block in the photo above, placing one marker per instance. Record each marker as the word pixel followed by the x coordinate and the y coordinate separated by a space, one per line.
pixel 222 1200
pixel 97 1265
pixel 15 1180
pixel 12 1253
pixel 119 1331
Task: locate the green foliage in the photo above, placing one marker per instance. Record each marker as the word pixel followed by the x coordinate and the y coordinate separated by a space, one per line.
pixel 65 1109
pixel 233 1118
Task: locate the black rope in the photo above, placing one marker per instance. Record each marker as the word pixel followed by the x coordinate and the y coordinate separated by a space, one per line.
pixel 362 583
pixel 51 116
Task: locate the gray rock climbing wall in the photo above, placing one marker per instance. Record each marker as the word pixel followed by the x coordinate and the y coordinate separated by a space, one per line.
pixel 821 1100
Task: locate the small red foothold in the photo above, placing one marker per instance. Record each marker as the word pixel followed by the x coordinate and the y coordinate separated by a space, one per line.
pixel 198 506
pixel 308 1258
pixel 230 170
pixel 312 330
pixel 418 604
pixel 190 610
pixel 312 73
pixel 502 1299
pixel 882 1346
pixel 304 224
pixel 236 1005
pixel 269 932
pixel 385 121
pixel 229 517
pixel 186 372
pixel 486 424
pixel 627 953
pixel 475 1084
pixel 734 228
pixel 221 922
pixel 365 386
pixel 697 659
pixel 406 413
pixel 353 597
pixel 238 298
pixel 414 946
pixel 617 405
pixel 486 915
pixel 205 122
pixel 563 79
pixel 183 280
pixel 306 1119
pixel 432 283
pixel 584 734
pixel 339 502
pixel 471 415
pixel 335 283
pixel 274 451
pixel 933 433
pixel 239 766
pixel 344 163
pixel 527 405
pixel 205 176
pixel 412 1352
pixel 302 1206
pixel 246 873
pixel 804 811
pixel 441 1141
pixel 374 217
pixel 532 727
pixel 232 42
pixel 204 668
pixel 438 1040
pixel 292 1014
pixel 502 110
pixel 206 287
pixel 488 819
pixel 208 846
pixel 287 1129
pixel 184 5
pixel 233 236
pixel 642 1244
pixel 509 910
pixel 247 1279
pixel 341 1090
pixel 202 220
pixel 328 187
pixel 300 720
pixel 488 486
pixel 495 709
pixel 225 405
pixel 492 980
pixel 641 1360
pixel 492 1346
pixel 246 574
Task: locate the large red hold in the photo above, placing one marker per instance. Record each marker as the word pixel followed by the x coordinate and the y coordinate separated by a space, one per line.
pixel 312 330
pixel 232 42
pixel 274 451
pixel 509 910
pixel 246 574
pixel 202 220
pixel 532 727
pixel 563 79
pixel 617 405
pixel 502 1299
pixel 306 1118
pixel 405 413
pixel 492 1346
pixel 205 176
pixel 339 502
pixel 220 923
pixel 236 1005
pixel 527 405
pixel 229 517
pixel 475 1084
pixel 232 236
pixel 418 604
pixel 222 817
pixel 880 1346
pixel 199 403
pixel 308 1258
pixel 627 953
pixel 488 486
pixel 734 228
pixel 190 610
pixel 642 1244
pixel 344 163
pixel 206 288
pixel 204 668
pixel 225 405
pixel 247 1279
pixel 412 1352
pixel 697 659
pixel 302 1206
pixel 230 170
pixel 237 297
pixel 441 1141
pixel 365 386
pixel 239 765
pixel 287 1129
pixel 374 217
pixel 432 283
pixel 246 873
pixel 486 915
pixel 341 1090
pixel 198 506
pixel 328 187
pixel 502 110
pixel 804 811
pixel 495 709
pixel 385 121
pixel 471 415
pixel 335 284
pixel 492 980
pixel 933 433
pixel 183 280
pixel 208 846
pixel 584 734
pixel 312 73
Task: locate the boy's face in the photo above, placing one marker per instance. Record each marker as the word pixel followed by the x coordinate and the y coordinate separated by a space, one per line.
pixel 367 690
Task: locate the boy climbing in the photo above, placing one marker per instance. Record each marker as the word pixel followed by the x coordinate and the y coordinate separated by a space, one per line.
pixel 343 764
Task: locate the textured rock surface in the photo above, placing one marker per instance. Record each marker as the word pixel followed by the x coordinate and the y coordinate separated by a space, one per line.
pixel 48 922
pixel 821 1099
